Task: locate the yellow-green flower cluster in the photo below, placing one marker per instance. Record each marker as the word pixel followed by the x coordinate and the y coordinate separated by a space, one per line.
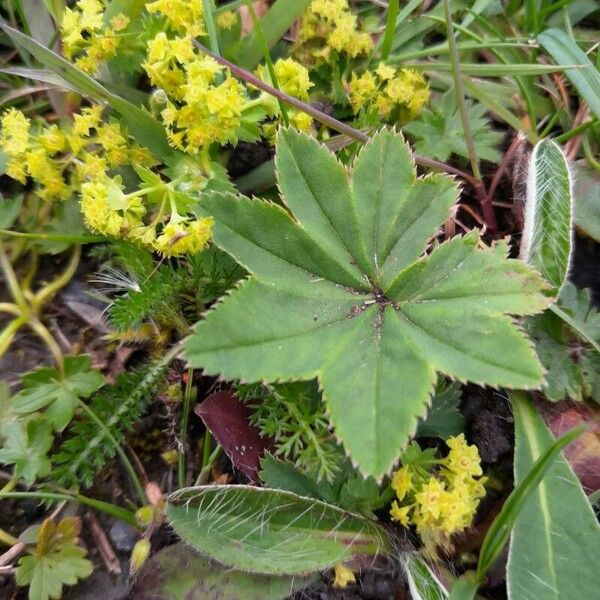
pixel 227 20
pixel 396 95
pixel 185 17
pixel 293 79
pixel 87 40
pixel 442 502
pixel 204 103
pixel 58 160
pixel 329 29
pixel 107 209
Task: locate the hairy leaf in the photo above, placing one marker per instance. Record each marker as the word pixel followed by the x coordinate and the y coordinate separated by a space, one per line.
pixel 176 573
pixel 548 233
pixel 556 534
pixel 270 531
pixel 339 293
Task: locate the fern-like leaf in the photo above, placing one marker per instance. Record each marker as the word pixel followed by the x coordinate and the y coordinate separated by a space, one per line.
pixel 85 449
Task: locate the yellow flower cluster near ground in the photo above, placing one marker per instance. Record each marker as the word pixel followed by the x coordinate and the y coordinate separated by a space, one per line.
pixel 443 502
pixel 328 29
pixel 59 159
pixel 87 40
pixel 396 95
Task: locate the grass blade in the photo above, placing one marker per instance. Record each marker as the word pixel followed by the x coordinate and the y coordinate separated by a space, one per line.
pixel 565 51
pixel 499 532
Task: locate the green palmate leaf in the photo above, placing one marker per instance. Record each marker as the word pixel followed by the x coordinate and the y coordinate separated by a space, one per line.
pixel 58 393
pixel 547 233
pixel 443 418
pixel 439 131
pixel 9 211
pixel 176 573
pixel 586 79
pixel 26 445
pixel 56 561
pixel 556 535
pixel 339 293
pixel 270 531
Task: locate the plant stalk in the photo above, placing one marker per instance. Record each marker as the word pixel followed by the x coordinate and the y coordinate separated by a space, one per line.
pixel 486 206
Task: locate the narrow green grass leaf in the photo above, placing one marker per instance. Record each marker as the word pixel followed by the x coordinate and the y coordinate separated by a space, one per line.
pixel 555 537
pixel 146 130
pixel 547 242
pixel 565 51
pixel 261 530
pixel 530 478
pixel 495 70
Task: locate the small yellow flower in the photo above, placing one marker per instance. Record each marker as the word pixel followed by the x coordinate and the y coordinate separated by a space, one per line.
pixel 293 78
pixel 385 72
pixel 14 138
pixel 227 20
pixel 53 140
pixel 119 22
pixel 107 209
pixel 328 28
pixel 463 460
pixel 343 576
pixel 430 497
pixel 362 90
pixel 402 482
pixel 183 16
pixel 400 513
pixel 184 237
pixel 16 170
pixel 300 120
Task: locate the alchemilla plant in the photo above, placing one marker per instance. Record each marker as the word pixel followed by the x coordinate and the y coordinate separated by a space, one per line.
pixel 341 291
pixel 303 282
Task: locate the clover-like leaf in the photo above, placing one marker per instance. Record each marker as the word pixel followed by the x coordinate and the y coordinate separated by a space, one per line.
pixel 47 387
pixel 339 292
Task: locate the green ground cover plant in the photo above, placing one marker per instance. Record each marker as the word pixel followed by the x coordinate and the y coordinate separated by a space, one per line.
pixel 299 299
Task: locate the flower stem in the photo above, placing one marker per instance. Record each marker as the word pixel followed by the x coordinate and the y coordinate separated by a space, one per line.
pixel 53 287
pixel 185 413
pixel 110 509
